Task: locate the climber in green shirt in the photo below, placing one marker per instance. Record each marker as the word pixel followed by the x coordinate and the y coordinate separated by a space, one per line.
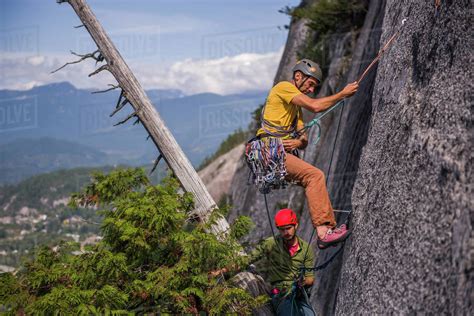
pixel 277 268
pixel 280 259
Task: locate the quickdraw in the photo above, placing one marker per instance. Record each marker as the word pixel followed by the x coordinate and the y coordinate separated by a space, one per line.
pixel 265 157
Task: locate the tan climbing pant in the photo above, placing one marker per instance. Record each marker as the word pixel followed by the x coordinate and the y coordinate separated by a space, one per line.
pixel 313 181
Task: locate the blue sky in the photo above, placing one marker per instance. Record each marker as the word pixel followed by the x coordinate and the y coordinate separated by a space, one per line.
pixel 197 46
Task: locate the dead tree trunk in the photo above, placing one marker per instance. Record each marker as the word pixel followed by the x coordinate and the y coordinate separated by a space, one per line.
pixel 144 111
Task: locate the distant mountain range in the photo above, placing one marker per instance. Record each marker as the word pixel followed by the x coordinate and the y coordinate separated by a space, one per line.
pixel 58 126
pixel 26 157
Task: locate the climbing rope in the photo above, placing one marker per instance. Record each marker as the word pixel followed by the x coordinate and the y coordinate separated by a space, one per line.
pixel 271 226
pixel 318 118
pixel 381 52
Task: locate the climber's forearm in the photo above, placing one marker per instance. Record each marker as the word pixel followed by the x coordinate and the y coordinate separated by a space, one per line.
pixel 319 104
pixel 322 104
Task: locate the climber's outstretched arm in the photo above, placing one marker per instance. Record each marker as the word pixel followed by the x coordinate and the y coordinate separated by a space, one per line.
pixel 321 104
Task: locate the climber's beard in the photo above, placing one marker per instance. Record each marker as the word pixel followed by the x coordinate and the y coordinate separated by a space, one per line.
pixel 289 235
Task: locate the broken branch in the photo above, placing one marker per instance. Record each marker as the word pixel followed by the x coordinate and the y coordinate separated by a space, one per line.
pixel 118 108
pixel 101 68
pixel 119 99
pixel 97 58
pixel 126 119
pixel 83 57
pixel 155 164
pixel 113 87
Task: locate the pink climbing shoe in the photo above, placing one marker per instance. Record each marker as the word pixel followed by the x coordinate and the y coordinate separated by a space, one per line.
pixel 334 236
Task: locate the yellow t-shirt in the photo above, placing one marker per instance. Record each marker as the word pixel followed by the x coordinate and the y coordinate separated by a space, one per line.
pixel 278 108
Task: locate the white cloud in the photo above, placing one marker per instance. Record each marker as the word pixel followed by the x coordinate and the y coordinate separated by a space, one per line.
pixel 21 71
pixel 36 60
pixel 27 85
pixel 226 75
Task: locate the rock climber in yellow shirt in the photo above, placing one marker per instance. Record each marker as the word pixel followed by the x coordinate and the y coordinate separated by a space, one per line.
pixel 281 117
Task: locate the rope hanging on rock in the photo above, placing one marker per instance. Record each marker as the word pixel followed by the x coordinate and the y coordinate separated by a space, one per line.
pixel 381 52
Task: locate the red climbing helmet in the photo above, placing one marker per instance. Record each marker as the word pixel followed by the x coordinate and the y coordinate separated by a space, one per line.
pixel 285 217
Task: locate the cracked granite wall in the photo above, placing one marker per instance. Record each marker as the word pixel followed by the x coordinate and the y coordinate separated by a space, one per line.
pixel 412 246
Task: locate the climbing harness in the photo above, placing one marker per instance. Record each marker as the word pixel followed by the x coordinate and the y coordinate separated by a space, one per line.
pixel 265 156
pixel 298 300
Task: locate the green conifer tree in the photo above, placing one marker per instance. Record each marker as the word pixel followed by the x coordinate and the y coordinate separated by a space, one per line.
pixel 152 258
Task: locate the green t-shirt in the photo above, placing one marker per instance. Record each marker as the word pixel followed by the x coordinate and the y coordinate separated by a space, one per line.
pixel 274 262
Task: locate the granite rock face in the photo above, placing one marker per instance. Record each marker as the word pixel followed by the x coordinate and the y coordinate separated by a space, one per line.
pixel 297 34
pixel 399 155
pixel 411 250
pixel 338 155
pixel 217 176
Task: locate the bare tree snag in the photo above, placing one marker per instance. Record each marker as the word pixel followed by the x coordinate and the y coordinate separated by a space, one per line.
pixel 147 115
